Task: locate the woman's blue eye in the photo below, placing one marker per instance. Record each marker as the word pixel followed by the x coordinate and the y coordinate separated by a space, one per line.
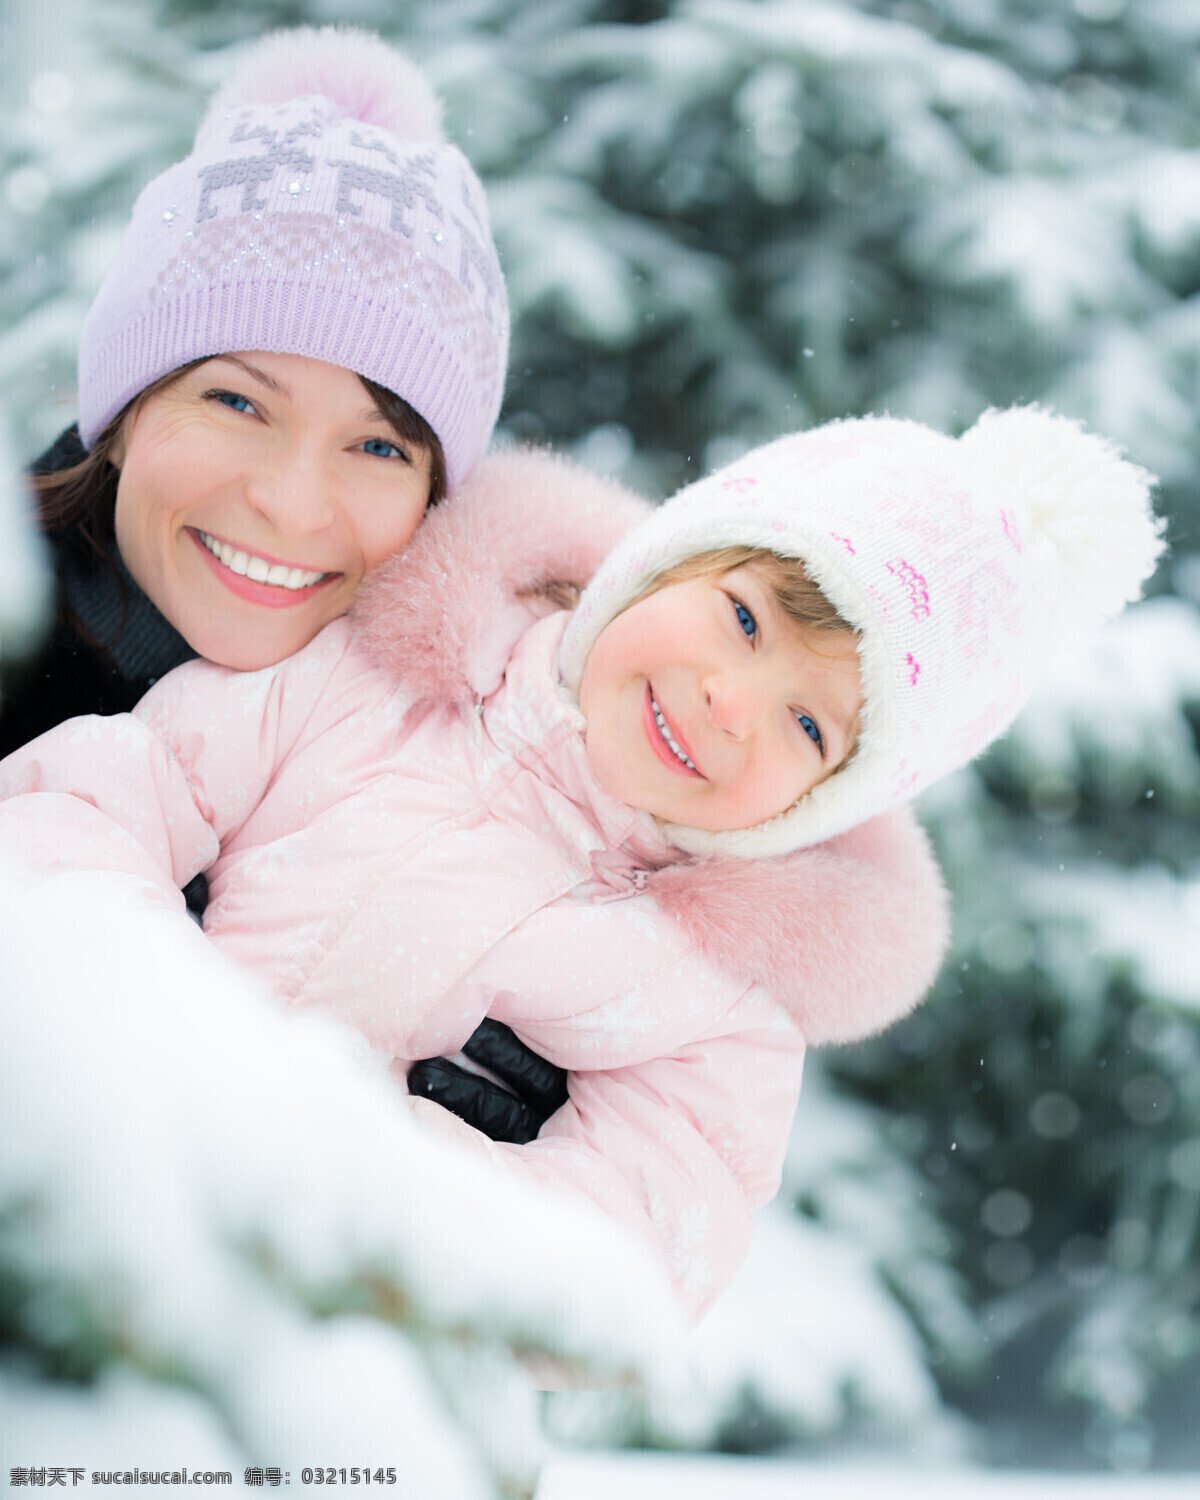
pixel 379 448
pixel 810 728
pixel 233 400
pixel 745 619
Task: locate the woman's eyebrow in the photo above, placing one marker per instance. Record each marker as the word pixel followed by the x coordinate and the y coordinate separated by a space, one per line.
pixel 277 386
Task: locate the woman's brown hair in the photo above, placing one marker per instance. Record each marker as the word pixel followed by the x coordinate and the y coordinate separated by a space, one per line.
pixel 83 498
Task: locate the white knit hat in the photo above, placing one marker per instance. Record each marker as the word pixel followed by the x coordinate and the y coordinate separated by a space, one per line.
pixel 962 563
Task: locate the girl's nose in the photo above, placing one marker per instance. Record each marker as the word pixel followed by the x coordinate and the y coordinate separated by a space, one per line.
pixel 732 703
pixel 294 494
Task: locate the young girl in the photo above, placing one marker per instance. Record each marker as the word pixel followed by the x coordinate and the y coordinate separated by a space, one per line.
pixel 602 852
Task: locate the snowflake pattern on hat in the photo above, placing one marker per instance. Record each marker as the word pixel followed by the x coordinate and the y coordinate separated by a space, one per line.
pixel 299 226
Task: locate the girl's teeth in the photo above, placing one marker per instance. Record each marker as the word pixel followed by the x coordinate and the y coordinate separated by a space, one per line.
pixel 277 574
pixel 666 734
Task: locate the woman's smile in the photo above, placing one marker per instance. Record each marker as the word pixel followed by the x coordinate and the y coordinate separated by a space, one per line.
pixel 258 577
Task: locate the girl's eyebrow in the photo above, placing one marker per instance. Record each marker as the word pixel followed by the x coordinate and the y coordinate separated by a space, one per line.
pixel 276 386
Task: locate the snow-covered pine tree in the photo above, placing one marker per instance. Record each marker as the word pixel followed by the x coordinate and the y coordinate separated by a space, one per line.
pixel 735 216
pixel 225 1242
pixel 97 100
pixel 720 218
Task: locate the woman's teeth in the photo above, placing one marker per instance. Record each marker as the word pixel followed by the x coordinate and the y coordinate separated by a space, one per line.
pixel 666 734
pixel 258 569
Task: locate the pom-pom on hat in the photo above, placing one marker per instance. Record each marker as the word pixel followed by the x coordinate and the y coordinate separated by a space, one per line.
pixel 321 212
pixel 962 563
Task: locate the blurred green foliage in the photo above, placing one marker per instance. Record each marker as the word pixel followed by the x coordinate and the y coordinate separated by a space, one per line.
pixel 723 218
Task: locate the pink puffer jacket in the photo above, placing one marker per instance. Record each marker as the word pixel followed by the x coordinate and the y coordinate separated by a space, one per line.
pixel 400 835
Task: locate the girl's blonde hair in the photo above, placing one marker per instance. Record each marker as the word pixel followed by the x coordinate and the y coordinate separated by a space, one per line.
pixel 796 594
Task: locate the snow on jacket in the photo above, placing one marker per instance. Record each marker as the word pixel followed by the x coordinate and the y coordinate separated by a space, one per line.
pixel 382 847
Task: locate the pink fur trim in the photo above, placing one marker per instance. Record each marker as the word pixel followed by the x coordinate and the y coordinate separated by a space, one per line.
pixel 367 79
pixel 848 935
pixel 443 615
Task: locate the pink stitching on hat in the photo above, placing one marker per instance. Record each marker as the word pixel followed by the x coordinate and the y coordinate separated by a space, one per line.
pixel 916 668
pixel 918 590
pixel 741 485
pixel 1010 530
pixel 902 783
pixel 846 542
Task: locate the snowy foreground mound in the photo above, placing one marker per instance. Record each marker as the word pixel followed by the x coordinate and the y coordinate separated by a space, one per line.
pixel 225 1241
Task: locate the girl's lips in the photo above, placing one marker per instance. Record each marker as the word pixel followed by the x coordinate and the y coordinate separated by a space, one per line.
pixel 273 596
pixel 660 746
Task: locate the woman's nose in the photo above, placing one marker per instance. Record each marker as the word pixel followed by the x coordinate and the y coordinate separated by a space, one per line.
pixel 294 494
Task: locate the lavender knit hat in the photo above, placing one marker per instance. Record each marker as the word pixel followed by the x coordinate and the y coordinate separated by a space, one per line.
pixel 962 563
pixel 321 213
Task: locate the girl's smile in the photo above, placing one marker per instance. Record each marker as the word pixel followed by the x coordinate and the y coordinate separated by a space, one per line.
pixel 708 707
pixel 665 740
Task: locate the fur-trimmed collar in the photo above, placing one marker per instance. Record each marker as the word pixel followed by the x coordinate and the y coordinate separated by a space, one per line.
pixel 848 934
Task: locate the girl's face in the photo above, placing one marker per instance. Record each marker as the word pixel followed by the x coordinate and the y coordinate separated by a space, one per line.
pixel 708 707
pixel 255 493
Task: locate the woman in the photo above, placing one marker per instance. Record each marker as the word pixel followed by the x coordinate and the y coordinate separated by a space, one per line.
pixel 300 346
pixel 301 343
pixel 230 511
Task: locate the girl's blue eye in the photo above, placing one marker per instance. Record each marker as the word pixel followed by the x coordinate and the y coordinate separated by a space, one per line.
pixel 810 728
pixel 379 448
pixel 745 619
pixel 233 400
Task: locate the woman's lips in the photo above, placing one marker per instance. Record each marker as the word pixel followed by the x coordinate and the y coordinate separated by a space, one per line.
pixel 293 585
pixel 651 711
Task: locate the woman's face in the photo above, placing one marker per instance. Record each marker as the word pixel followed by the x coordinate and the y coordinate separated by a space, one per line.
pixel 255 493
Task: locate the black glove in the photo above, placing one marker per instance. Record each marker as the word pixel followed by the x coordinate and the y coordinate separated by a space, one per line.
pixel 195 893
pixel 539 1088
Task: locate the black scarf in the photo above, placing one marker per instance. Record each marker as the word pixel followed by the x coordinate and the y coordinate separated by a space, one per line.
pixel 108 643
